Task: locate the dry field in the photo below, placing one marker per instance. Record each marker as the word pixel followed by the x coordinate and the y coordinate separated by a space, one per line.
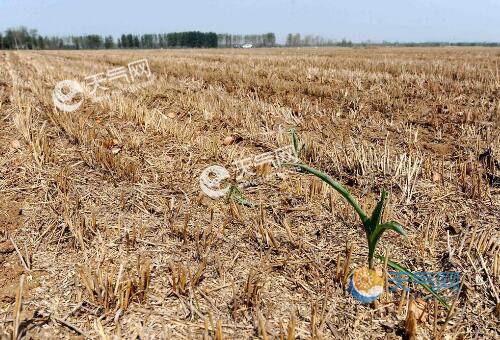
pixel 104 225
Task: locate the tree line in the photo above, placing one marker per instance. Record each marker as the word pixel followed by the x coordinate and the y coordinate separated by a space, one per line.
pixel 169 40
pixel 295 39
pixel 257 40
pixel 23 38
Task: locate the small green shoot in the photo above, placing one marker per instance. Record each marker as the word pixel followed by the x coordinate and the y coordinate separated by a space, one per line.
pixel 372 226
pixel 298 146
pixel 236 195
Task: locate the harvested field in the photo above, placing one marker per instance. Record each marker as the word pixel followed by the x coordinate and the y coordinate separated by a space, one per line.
pixel 103 221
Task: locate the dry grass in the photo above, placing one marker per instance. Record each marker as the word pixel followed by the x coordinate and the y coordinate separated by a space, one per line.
pixel 104 228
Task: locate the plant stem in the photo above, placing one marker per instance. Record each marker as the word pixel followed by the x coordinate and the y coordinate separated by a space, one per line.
pixel 371 252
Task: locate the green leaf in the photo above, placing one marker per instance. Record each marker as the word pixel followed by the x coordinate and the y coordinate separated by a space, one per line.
pixel 295 143
pixel 398 267
pixel 375 236
pixel 380 228
pixel 236 194
pixel 337 186
pixel 377 211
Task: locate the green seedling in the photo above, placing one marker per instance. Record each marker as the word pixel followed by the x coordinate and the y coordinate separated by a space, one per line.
pixel 236 195
pixel 298 146
pixel 371 224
